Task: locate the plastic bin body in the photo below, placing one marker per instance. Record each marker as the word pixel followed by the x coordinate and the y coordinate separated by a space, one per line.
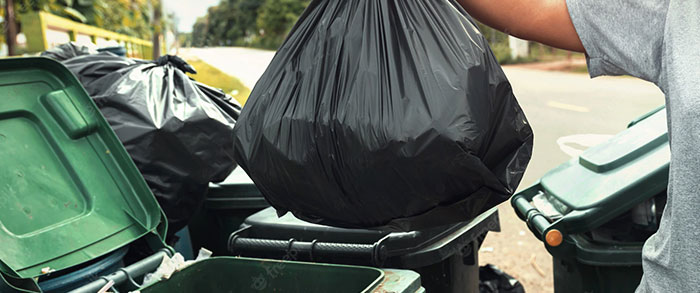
pixel 227 205
pixel 573 276
pixel 228 274
pixel 184 244
pixel 446 257
pixel 604 204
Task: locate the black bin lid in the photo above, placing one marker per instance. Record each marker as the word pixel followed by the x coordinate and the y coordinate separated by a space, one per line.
pixel 237 191
pixel 264 234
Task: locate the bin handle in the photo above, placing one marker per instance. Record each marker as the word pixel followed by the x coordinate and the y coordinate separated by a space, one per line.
pixel 537 222
pixel 139 268
pixel 315 250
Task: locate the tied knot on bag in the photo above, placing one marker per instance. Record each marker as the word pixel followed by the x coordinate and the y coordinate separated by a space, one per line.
pixel 176 61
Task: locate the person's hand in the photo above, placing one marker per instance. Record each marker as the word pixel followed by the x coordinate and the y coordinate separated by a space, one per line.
pixel 544 21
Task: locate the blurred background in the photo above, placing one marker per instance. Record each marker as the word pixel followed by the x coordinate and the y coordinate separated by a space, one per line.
pixel 150 28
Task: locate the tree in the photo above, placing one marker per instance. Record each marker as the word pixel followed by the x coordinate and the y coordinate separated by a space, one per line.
pixel 157 27
pixel 9 27
pixel 276 18
pixel 129 17
pixel 199 32
pixel 261 23
pixel 246 17
pixel 221 24
pixel 184 39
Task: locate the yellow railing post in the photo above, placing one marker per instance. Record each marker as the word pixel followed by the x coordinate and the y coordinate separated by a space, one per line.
pixel 34 27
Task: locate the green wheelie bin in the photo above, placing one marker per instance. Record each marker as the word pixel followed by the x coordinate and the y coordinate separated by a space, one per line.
pixel 594 212
pixel 73 206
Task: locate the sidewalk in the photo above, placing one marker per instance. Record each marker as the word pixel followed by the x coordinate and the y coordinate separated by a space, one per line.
pixel 568 65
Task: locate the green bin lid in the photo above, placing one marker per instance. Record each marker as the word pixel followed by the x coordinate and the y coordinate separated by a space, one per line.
pixel 608 179
pixel 616 172
pixel 69 192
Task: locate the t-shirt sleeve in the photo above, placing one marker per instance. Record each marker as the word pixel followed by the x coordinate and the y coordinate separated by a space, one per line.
pixel 621 36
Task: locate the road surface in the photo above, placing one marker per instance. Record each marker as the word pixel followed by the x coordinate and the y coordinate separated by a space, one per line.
pixel 245 64
pixel 568 112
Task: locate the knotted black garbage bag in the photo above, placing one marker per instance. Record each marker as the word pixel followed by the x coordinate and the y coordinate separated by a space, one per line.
pixel 388 113
pixel 178 132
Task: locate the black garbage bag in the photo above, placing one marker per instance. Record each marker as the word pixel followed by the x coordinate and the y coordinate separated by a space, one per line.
pixel 391 114
pixel 178 132
pixel 66 51
pixel 494 280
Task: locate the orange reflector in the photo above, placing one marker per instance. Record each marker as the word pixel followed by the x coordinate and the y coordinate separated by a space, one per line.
pixel 554 237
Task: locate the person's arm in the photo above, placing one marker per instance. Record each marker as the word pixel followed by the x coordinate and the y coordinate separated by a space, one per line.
pixel 544 21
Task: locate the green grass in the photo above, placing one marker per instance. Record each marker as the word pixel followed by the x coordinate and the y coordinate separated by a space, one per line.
pixel 212 76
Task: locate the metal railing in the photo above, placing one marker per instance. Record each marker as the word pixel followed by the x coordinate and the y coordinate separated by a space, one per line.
pixel 44 30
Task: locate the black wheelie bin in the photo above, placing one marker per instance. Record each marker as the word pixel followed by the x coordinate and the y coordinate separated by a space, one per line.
pixel 594 212
pixel 226 206
pixel 445 257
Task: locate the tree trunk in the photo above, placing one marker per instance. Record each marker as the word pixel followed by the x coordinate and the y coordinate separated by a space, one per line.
pixel 157 14
pixel 10 28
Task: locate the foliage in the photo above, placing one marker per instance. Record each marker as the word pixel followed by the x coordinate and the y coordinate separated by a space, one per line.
pixel 492 35
pixel 498 42
pixel 265 24
pixel 276 18
pixel 247 15
pixel 258 23
pixel 129 17
pixel 502 52
pixel 184 39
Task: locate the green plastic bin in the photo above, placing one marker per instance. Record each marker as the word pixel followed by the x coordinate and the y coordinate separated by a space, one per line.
pixel 69 192
pixel 594 212
pixel 229 274
pixel 225 208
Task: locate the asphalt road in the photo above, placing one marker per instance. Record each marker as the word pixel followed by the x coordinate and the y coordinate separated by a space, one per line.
pixel 568 112
pixel 245 64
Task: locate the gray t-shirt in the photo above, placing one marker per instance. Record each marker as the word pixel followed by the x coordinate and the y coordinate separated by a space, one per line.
pixel 658 41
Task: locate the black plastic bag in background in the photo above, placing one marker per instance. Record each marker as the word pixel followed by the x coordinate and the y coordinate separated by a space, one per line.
pixel 178 132
pixel 391 114
pixel 494 280
pixel 66 51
